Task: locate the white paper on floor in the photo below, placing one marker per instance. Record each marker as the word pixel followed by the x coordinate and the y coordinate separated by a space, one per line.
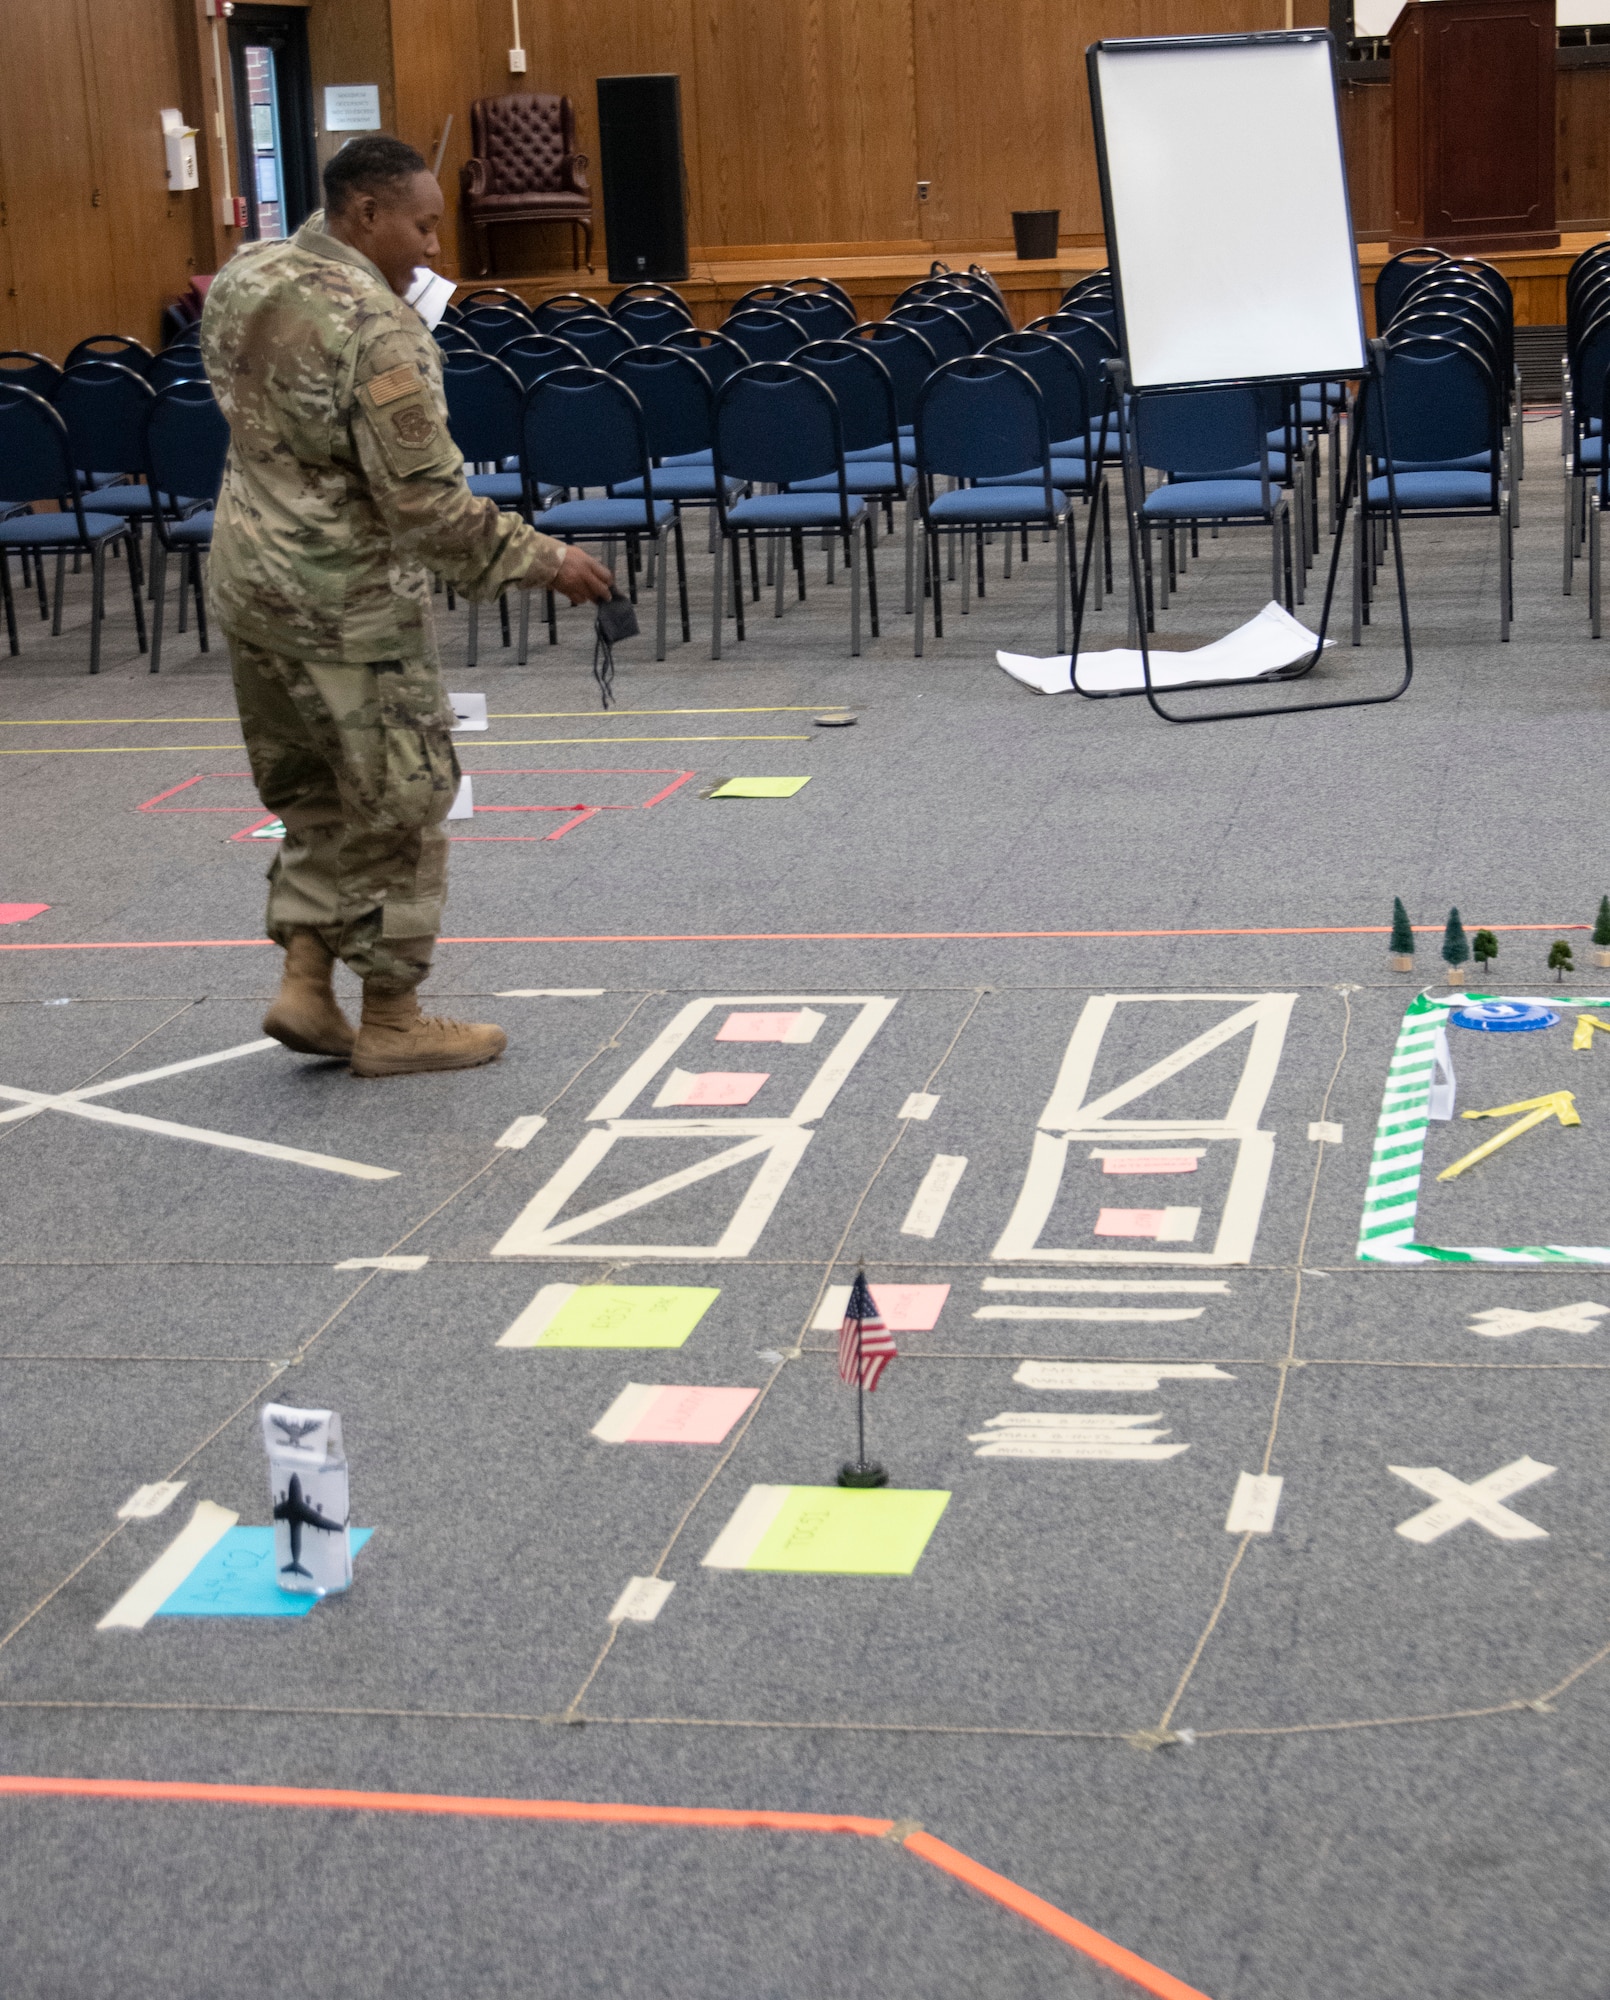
pixel 1273 639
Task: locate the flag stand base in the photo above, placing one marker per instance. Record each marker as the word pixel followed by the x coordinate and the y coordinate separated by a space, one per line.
pixel 862 1475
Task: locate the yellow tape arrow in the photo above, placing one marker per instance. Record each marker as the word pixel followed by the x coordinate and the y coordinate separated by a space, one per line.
pixel 1559 1104
pixel 1585 1025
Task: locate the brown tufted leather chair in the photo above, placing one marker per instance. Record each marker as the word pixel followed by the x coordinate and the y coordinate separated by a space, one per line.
pixel 525 169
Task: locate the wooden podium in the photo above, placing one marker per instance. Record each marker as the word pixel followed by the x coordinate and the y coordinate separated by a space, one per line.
pixel 1473 125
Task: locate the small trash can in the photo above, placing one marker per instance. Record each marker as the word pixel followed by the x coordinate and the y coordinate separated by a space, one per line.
pixel 1034 231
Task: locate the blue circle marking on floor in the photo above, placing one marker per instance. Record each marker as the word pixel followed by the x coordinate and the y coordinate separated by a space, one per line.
pixel 1504 1017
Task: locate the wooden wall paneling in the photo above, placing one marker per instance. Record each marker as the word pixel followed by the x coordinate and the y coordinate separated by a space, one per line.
pixel 134 72
pixel 807 121
pixel 1582 149
pixel 437 69
pixel 10 322
pixel 569 45
pixel 1367 142
pixel 59 238
pixel 349 41
pixel 1003 104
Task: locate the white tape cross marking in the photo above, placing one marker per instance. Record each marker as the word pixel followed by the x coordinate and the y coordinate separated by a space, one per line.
pixel 1479 1501
pixel 146 1596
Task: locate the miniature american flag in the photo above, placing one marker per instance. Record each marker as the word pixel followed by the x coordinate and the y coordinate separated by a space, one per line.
pixel 866 1346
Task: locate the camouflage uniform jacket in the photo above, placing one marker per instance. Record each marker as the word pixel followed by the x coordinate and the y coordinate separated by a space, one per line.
pixel 343 487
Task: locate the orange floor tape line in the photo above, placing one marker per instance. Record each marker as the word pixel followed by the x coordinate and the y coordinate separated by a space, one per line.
pixel 999 1888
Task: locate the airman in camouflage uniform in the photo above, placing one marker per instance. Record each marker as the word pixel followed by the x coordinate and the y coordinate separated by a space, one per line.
pixel 343 492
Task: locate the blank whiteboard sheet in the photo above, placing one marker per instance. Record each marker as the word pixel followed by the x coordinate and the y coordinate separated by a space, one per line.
pixel 1225 197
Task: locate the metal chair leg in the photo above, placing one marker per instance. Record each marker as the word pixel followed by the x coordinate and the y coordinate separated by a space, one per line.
pixel 1358 578
pixel 661 584
pixel 1062 563
pixel 855 605
pixel 776 565
pixel 1506 564
pixel 97 604
pixel 682 580
pixel 1570 524
pixel 871 568
pixel 921 601
pixel 715 597
pixel 159 592
pixel 1595 566
pixel 472 651
pixel 6 598
pixel 911 546
pixel 524 652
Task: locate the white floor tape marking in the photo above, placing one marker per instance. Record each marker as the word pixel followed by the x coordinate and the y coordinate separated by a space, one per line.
pixel 920 1104
pixel 1322 1128
pixel 642 1601
pixel 1499 1322
pixel 615 1425
pixel 148 1593
pixel 1254 1503
pixel 1106 1315
pixel 383 1264
pixel 533 1322
pixel 928 1204
pixel 1195 1285
pixel 1115 1376
pixel 744 1533
pixel 1478 1502
pixel 779 1142
pixel 140 1076
pixel 145 1503
pixel 550 993
pixel 1068 1118
pixel 516 1137
pixel 265 1149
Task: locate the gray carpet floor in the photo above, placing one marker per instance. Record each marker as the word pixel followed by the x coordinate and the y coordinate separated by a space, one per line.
pixel 1327 1760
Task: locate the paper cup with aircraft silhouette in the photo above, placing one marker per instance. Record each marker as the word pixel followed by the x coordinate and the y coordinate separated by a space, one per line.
pixel 307 1481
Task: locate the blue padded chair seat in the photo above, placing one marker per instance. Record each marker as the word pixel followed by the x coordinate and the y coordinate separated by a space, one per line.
pixel 1277 472
pixel 679 482
pixel 689 458
pixel 1591 452
pixel 506 488
pixel 994 503
pixel 1203 499
pixel 195 530
pixel 127 500
pixel 50 531
pixel 1478 461
pixel 602 517
pixel 793 510
pixel 908 452
pixel 1434 491
pixel 861 475
pixel 1065 471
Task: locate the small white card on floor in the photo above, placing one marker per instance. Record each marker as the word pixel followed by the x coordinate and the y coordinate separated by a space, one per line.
pixel 464 805
pixel 469 712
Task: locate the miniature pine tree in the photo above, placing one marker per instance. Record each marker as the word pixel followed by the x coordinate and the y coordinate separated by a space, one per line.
pixel 1601 930
pixel 1484 947
pixel 1402 941
pixel 1455 945
pixel 1560 959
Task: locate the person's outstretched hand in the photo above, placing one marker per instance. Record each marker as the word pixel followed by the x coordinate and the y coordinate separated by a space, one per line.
pixel 582 578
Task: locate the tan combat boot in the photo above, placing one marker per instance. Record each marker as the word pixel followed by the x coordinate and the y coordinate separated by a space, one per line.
pixel 305 1015
pixel 395 1039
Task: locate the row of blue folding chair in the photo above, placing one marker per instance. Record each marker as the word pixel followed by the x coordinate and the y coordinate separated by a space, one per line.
pixel 181 449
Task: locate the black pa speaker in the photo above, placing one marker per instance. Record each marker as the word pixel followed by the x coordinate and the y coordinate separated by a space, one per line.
pixel 640 164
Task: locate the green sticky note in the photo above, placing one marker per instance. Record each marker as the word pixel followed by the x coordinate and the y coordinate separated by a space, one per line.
pixel 846 1531
pixel 760 788
pixel 628 1316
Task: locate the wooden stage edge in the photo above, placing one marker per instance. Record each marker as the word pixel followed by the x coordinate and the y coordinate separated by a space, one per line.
pixel 875 274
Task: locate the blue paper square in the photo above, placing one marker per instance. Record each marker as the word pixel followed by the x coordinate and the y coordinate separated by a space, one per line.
pixel 236 1578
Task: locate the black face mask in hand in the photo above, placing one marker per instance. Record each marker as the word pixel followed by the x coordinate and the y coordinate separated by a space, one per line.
pixel 616 620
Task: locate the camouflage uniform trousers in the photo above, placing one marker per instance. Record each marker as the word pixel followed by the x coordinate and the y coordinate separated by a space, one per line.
pixel 358 763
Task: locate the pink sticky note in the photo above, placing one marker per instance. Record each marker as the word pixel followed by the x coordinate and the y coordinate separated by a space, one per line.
pixel 910 1308
pixel 1129 1222
pixel 1149 1163
pixel 723 1086
pixel 19 913
pixel 690 1416
pixel 756 1027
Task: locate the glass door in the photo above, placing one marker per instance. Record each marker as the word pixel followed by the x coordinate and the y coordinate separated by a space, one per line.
pixel 273 118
